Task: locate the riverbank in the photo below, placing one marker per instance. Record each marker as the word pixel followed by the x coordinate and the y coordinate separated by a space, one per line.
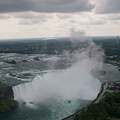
pixel 7 101
pixel 107 87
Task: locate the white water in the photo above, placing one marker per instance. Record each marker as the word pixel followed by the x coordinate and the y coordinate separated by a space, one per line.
pixel 69 84
pixel 75 82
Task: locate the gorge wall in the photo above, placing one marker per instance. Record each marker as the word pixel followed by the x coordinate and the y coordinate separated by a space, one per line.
pixel 7 101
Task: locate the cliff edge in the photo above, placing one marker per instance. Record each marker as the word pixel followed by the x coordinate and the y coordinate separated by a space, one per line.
pixel 7 101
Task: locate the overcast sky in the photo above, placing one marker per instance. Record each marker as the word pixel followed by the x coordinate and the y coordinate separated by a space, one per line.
pixel 56 18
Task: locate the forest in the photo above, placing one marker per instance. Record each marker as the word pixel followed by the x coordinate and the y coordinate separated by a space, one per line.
pixel 107 109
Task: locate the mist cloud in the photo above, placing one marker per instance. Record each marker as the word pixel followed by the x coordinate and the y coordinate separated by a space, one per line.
pixel 77 35
pixel 72 83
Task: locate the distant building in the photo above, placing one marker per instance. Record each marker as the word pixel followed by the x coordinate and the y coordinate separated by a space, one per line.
pixel 114 86
pixel 118 40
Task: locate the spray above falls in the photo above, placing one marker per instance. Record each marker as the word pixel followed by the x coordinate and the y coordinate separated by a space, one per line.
pixel 72 83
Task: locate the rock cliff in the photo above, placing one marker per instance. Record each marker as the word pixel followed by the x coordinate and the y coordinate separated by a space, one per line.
pixel 7 101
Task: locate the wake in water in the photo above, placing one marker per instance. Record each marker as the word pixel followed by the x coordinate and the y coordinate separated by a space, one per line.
pixel 75 82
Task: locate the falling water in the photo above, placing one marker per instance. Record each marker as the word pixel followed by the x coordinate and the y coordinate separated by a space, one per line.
pixel 75 83
pixel 72 83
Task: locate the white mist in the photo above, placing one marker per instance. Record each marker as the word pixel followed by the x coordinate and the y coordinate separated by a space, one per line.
pixel 71 83
pixel 75 82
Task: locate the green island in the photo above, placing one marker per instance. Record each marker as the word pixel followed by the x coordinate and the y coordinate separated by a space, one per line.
pixel 7 101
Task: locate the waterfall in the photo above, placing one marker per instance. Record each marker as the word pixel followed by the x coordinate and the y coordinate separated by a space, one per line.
pixel 70 84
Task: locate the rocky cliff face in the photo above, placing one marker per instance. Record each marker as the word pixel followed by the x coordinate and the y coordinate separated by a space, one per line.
pixel 6 92
pixel 7 101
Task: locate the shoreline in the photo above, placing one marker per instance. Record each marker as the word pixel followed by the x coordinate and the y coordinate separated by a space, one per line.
pixel 96 100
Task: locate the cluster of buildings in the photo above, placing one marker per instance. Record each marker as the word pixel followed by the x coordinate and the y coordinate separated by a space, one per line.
pixel 114 86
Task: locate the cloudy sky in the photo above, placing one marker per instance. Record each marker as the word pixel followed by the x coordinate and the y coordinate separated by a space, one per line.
pixel 55 18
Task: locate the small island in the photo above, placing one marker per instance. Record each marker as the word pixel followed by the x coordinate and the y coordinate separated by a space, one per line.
pixel 7 101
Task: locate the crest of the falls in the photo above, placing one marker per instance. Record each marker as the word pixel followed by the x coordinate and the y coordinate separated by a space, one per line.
pixel 70 84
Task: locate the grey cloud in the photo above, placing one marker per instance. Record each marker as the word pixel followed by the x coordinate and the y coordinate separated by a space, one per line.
pixel 32 15
pixel 113 17
pixel 27 18
pixel 72 21
pixel 94 22
pixel 4 16
pixel 24 22
pixel 117 22
pixel 48 6
pixel 15 5
pixel 107 6
pixel 64 16
pixel 29 22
